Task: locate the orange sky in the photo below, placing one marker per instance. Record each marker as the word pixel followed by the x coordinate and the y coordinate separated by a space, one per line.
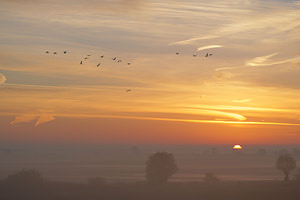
pixel 247 92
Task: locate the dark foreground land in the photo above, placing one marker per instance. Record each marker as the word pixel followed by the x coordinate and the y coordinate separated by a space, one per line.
pixel 245 190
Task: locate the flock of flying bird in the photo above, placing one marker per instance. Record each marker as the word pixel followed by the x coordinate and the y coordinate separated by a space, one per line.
pixel 81 62
pixel 98 65
pixel 195 55
pixel 119 61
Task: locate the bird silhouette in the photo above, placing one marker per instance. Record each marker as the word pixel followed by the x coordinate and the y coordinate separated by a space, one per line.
pixel 206 55
pixel 128 90
pixel 55 53
pixel 102 56
pixel 210 54
pixel 47 51
pixel 98 64
pixel 129 63
pixel 114 58
pixel 65 52
pixel 119 61
pixel 81 62
pixel 177 53
pixel 86 58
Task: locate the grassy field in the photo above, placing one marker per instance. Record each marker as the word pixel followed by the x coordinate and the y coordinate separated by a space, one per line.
pixel 225 190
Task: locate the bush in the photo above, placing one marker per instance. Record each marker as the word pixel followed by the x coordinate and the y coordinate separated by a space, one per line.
pixel 25 177
pixel 210 177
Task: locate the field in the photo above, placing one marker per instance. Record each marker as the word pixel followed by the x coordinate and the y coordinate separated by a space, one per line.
pixel 227 190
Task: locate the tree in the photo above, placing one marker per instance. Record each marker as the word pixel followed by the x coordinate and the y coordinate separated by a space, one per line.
pixel 286 163
pixel 210 177
pixel 297 176
pixel 160 167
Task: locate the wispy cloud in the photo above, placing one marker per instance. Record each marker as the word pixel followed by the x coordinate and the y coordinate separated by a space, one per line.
pixel 2 78
pixel 217 113
pixel 24 118
pixel 241 100
pixel 209 47
pixel 44 118
pixel 192 40
pixel 182 120
pixel 40 118
pixel 262 61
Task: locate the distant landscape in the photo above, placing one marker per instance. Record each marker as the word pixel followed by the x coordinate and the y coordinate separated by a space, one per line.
pixel 118 172
pixel 126 163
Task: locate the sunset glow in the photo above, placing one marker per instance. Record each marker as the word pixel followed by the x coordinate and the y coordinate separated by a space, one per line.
pixel 237 147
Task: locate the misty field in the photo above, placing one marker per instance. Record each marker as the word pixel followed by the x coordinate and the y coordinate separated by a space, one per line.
pixel 248 190
pixel 118 172
pixel 126 163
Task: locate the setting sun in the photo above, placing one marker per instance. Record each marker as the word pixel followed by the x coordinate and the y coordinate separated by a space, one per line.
pixel 237 146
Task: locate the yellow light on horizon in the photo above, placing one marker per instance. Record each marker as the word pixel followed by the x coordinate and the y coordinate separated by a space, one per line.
pixel 237 146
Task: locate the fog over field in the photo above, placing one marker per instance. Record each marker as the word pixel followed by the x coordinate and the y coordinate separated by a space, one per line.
pixel 126 163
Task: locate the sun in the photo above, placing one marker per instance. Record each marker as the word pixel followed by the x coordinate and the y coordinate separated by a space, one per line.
pixel 237 146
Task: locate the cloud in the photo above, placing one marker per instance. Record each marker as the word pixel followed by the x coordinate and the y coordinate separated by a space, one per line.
pixel 41 118
pixel 44 118
pixel 239 117
pixel 209 47
pixel 261 61
pixel 107 5
pixel 2 78
pixel 241 100
pixel 192 40
pixel 220 75
pixel 24 119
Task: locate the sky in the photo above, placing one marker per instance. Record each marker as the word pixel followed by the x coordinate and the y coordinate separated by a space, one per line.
pixel 246 92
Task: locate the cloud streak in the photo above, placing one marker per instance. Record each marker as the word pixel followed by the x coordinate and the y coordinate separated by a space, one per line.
pixel 241 100
pixel 2 79
pixel 261 61
pixel 181 120
pixel 40 118
pixel 209 47
pixel 191 40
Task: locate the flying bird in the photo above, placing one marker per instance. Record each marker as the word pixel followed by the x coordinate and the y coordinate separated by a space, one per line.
pixel 206 55
pixel 55 53
pixel 102 56
pixel 119 61
pixel 65 52
pixel 128 90
pixel 210 54
pixel 177 53
pixel 114 58
pixel 98 64
pixel 129 63
pixel 86 58
pixel 47 51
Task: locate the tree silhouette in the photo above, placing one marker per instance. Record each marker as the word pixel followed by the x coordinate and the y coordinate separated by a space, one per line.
pixel 286 163
pixel 297 176
pixel 160 167
pixel 210 177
